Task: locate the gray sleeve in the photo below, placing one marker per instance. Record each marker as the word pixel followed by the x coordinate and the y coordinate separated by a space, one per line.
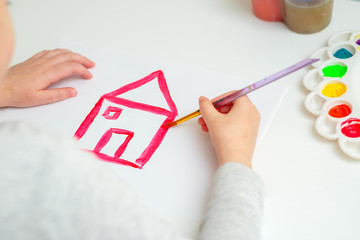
pixel 235 205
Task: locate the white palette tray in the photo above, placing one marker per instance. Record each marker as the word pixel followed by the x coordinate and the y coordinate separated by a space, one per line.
pixel 334 85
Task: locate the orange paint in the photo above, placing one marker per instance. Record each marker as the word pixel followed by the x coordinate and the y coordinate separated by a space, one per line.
pixel 340 111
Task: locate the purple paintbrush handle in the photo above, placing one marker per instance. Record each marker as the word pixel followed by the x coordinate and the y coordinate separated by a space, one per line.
pixel 263 82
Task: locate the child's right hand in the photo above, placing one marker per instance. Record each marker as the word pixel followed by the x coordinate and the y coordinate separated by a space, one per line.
pixel 233 129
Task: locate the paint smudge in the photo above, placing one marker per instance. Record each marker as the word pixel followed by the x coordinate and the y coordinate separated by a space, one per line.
pixel 334 90
pixel 334 71
pixel 340 111
pixel 351 128
pixel 343 53
pixel 358 42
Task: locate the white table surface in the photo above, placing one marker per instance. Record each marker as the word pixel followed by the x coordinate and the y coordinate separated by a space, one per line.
pixel 312 188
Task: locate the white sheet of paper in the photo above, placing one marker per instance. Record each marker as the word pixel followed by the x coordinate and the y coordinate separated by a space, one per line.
pixel 177 178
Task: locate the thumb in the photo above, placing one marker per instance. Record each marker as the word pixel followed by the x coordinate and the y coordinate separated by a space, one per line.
pixel 207 109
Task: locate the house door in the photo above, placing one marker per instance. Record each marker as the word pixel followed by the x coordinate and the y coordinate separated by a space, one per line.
pixel 113 143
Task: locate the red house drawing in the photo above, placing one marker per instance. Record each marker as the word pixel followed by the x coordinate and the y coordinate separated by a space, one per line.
pixel 104 123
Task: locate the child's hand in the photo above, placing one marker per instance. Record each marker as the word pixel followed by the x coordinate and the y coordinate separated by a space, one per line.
pixel 26 84
pixel 233 129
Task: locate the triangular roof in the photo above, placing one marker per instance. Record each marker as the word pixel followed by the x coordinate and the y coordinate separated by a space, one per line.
pixel 115 96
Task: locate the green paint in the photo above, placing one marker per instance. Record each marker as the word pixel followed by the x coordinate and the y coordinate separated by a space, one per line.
pixel 334 71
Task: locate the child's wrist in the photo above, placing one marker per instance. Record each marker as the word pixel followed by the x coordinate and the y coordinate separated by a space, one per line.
pixel 244 159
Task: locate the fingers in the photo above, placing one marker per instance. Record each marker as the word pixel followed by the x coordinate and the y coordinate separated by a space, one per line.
pixel 205 128
pixel 72 57
pixel 203 125
pixel 242 104
pixel 226 108
pixel 50 53
pixel 201 121
pixel 66 69
pixel 57 64
pixel 57 56
pixel 244 107
pixel 54 95
pixel 207 109
pixel 235 107
pixel 223 95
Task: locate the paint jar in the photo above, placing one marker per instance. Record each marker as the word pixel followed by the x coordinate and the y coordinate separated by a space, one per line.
pixel 306 16
pixel 268 10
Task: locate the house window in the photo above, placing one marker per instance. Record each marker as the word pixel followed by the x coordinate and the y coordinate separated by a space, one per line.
pixel 112 113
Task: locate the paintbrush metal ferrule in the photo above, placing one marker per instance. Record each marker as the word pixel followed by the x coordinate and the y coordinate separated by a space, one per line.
pixel 252 87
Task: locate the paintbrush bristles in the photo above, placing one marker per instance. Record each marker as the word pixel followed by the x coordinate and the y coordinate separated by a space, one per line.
pixel 171 124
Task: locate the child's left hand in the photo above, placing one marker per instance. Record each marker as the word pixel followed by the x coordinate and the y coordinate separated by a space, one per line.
pixel 25 84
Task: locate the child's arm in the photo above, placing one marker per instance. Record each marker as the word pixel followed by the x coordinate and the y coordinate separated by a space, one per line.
pixel 236 203
pixel 25 84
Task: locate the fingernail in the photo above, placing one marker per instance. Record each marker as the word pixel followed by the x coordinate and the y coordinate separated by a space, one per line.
pixel 73 93
pixel 88 75
pixel 92 63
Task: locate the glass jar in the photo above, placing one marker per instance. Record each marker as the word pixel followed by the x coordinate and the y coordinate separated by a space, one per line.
pixel 268 10
pixel 306 16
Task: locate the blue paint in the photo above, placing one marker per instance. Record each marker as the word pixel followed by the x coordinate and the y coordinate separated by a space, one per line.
pixel 343 53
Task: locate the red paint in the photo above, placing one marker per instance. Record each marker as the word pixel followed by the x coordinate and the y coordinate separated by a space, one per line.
pixel 106 137
pixel 351 128
pixel 112 113
pixel 340 111
pixel 113 97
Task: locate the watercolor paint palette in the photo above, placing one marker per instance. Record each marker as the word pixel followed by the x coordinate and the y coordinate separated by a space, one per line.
pixel 334 83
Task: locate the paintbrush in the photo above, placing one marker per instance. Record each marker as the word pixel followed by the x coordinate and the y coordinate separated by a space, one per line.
pixel 231 97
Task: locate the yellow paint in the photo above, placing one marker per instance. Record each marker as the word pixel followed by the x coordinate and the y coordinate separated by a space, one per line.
pixel 334 90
